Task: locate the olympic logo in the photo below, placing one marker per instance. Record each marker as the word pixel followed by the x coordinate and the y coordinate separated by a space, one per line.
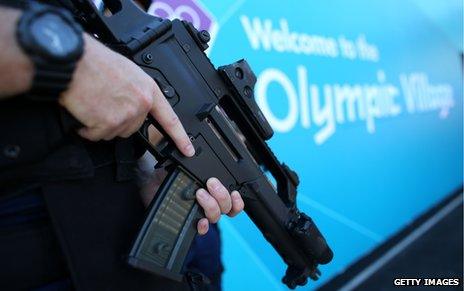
pixel 185 12
pixel 189 10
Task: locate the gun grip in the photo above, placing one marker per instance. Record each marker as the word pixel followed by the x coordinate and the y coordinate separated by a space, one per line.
pixel 169 228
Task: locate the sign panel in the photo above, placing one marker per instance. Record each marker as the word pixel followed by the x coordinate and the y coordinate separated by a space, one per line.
pixel 365 98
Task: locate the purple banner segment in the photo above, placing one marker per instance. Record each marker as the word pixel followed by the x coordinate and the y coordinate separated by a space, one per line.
pixel 189 10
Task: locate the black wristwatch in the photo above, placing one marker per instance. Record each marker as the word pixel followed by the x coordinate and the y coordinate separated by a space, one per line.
pixel 54 42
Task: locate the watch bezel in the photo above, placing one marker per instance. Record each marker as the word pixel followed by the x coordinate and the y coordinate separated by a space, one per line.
pixel 28 41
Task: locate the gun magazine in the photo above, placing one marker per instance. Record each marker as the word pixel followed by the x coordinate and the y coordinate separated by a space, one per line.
pixel 164 239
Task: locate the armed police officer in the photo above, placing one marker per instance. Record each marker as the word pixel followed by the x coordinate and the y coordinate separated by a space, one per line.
pixel 69 206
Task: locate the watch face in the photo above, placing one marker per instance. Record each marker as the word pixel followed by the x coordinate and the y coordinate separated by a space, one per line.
pixel 54 35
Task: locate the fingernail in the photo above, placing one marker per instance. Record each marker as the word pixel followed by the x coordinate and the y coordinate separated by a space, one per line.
pixel 190 150
pixel 215 184
pixel 201 193
pixel 203 227
pixel 235 195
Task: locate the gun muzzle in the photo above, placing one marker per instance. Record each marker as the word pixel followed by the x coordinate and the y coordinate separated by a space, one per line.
pixel 310 239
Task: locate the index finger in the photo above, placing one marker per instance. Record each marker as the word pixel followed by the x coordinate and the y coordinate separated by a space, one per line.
pixel 167 118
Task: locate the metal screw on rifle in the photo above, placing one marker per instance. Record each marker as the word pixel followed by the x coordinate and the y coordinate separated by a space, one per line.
pixel 239 73
pixel 204 36
pixel 247 91
pixel 147 58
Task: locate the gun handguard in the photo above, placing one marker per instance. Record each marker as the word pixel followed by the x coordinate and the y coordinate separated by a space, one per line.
pixel 229 133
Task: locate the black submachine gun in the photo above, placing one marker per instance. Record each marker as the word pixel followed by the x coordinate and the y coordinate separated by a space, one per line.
pixel 229 133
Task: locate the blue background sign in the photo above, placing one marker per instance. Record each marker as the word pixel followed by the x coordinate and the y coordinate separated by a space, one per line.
pixel 365 98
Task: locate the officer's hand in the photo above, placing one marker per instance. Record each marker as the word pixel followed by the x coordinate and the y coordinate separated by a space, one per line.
pixel 217 200
pixel 111 96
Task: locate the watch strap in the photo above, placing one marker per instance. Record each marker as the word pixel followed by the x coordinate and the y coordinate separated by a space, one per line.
pixel 20 4
pixel 50 80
